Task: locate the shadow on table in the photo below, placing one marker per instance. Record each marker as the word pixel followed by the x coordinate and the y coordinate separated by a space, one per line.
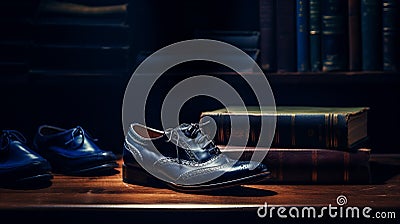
pixel 98 173
pixel 239 191
pixel 382 170
pixel 45 183
pixel 27 186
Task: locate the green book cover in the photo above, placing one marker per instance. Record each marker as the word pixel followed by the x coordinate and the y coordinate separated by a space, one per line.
pixel 341 128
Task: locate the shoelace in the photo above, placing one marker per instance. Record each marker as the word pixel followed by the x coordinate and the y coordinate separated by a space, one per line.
pixel 193 131
pixel 9 135
pixel 79 131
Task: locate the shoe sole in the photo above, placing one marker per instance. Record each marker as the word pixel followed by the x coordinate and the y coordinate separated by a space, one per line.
pixel 36 178
pixel 92 170
pixel 27 182
pixel 133 175
pixel 223 185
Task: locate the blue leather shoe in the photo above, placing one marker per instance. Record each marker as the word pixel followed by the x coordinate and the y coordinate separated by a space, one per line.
pixel 19 165
pixel 73 151
pixel 183 158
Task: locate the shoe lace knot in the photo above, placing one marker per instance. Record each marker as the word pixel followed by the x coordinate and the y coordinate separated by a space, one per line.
pixel 10 135
pixel 79 132
pixel 193 131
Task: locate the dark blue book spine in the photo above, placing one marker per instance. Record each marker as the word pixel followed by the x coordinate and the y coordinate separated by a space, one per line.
pixel 371 29
pixel 267 35
pixel 334 35
pixel 315 35
pixel 286 35
pixel 302 22
pixel 354 33
pixel 390 35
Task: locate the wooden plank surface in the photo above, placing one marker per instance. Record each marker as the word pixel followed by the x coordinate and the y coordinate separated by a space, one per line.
pixel 110 191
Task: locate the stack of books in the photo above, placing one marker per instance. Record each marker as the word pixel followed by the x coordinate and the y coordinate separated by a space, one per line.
pixel 310 145
pixel 84 37
pixel 16 35
pixel 334 35
pixel 246 40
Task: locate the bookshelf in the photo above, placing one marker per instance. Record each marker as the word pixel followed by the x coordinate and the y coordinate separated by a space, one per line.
pixel 151 25
pixel 376 89
pixel 304 89
pixel 66 57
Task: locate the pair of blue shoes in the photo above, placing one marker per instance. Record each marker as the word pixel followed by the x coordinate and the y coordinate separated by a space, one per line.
pixel 68 152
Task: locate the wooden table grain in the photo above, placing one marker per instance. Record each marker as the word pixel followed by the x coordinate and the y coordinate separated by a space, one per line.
pixel 109 193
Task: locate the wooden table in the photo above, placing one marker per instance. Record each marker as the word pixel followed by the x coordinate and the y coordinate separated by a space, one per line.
pixel 107 199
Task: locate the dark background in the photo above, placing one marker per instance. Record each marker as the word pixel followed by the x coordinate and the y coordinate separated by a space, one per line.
pixel 45 90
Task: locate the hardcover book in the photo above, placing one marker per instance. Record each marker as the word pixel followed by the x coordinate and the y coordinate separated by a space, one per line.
pixel 310 166
pixel 101 35
pixel 354 34
pixel 242 39
pixel 267 35
pixel 371 31
pixel 390 35
pixel 334 35
pixel 62 11
pixel 338 128
pixel 198 66
pixel 81 58
pixel 302 21
pixel 81 38
pixel 247 41
pixel 315 35
pixel 286 48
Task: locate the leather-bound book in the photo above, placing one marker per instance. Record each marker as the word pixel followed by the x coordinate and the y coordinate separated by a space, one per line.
pixel 336 128
pixel 80 58
pixel 246 40
pixel 310 166
pixel 286 49
pixel 390 35
pixel 315 35
pixel 302 24
pixel 243 39
pixel 267 35
pixel 371 34
pixel 354 32
pixel 334 35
